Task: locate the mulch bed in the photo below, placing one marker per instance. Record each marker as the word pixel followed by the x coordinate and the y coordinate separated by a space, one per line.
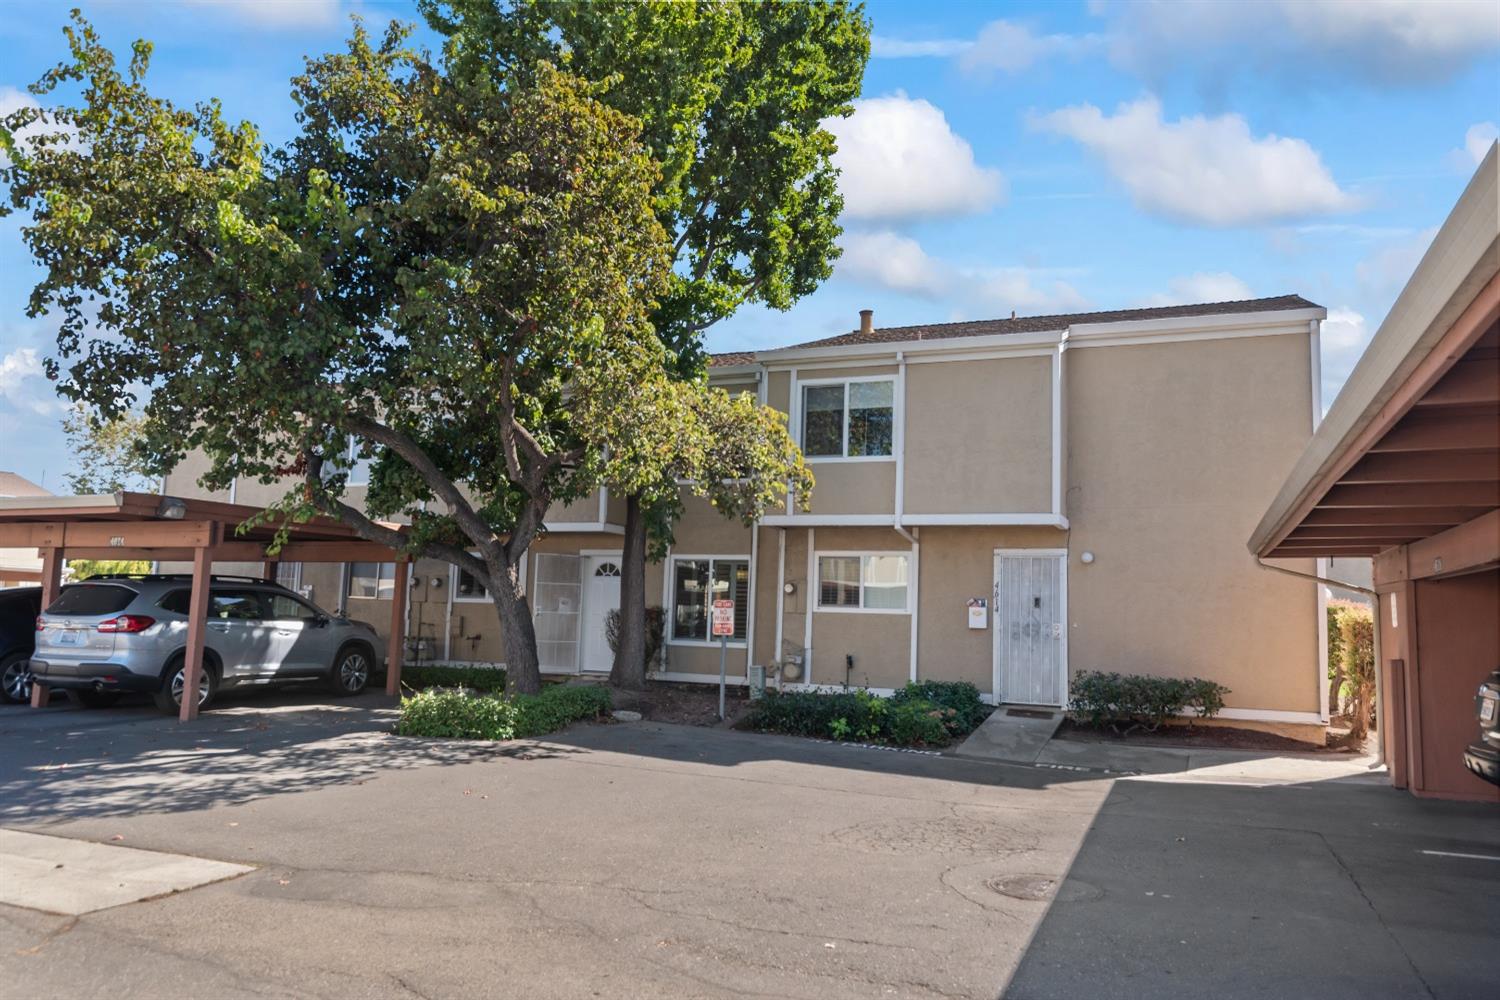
pixel 1209 737
pixel 683 704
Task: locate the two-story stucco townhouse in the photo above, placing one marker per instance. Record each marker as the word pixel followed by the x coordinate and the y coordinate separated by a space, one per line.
pixel 1003 502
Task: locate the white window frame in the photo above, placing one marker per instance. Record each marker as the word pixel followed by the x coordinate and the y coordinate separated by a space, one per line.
pixel 862 555
pixel 671 625
pixel 349 594
pixel 801 386
pixel 454 571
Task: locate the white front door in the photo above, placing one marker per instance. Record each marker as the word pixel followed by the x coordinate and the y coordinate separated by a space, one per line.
pixel 601 595
pixel 1031 638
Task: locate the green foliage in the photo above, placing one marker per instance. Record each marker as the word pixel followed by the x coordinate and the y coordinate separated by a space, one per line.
pixel 558 705
pixel 1352 660
pixel 455 715
pixel 440 676
pixel 959 699
pixel 930 714
pixel 458 716
pixel 107 453
pixel 1135 701
pixel 85 568
pixel 456 268
pixel 656 627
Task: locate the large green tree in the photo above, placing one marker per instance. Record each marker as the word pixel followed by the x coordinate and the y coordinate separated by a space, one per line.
pixel 106 453
pixel 454 269
pixel 732 96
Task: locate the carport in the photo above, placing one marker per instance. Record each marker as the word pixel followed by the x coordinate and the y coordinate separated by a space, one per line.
pixel 1405 470
pixel 178 529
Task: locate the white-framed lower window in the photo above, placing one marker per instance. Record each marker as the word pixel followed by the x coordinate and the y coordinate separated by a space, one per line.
pixel 698 581
pixel 372 580
pixel 467 588
pixel 864 581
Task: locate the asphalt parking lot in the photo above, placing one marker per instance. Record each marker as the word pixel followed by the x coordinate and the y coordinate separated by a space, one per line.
pixel 653 860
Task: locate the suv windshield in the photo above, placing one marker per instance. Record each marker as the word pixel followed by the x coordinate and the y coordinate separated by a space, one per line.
pixel 91 599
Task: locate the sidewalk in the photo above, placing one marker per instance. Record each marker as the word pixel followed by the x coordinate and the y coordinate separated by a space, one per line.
pixel 1012 740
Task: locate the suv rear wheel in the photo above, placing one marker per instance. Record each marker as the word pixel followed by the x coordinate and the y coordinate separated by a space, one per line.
pixel 169 696
pixel 15 677
pixel 351 670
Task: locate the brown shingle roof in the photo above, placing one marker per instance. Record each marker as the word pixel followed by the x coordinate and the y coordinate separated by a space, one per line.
pixel 13 485
pixel 731 358
pixel 1041 324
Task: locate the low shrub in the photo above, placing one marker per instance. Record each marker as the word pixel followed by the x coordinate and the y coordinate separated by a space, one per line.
pixel 462 716
pixel 960 698
pixel 455 715
pixel 434 675
pixel 930 714
pixel 1134 701
pixel 555 707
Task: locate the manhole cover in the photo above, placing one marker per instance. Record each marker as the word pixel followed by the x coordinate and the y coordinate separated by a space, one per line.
pixel 1040 888
pixel 1028 713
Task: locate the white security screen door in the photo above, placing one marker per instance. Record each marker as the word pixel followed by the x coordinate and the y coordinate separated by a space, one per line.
pixel 1031 639
pixel 557 604
pixel 601 595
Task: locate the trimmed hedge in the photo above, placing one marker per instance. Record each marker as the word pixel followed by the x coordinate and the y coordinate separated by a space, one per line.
pixel 420 678
pixel 929 714
pixel 457 715
pixel 1134 701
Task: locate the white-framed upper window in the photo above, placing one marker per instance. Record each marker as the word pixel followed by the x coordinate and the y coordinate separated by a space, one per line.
pixel 849 418
pixel 372 580
pixel 863 581
pixel 698 581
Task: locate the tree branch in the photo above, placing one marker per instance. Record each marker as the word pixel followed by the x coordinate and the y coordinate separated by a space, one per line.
pixel 463 512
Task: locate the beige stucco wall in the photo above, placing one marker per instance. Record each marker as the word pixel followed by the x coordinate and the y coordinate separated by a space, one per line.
pixel 955 565
pixel 979 436
pixel 853 487
pixel 879 642
pixel 702 530
pixel 1174 451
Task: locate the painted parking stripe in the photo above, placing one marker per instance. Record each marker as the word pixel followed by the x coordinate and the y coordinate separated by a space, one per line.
pixel 1456 854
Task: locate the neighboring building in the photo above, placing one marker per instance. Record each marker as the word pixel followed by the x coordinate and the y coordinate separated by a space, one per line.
pixel 1089 478
pixel 1406 470
pixel 19 566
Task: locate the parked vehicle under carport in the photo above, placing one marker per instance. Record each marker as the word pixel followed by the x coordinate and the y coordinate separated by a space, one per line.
pixel 1483 758
pixel 111 635
pixel 19 607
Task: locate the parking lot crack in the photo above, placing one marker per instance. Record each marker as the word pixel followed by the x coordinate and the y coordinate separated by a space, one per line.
pixel 1379 917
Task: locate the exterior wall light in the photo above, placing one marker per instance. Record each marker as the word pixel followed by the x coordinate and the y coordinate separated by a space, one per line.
pixel 1087 558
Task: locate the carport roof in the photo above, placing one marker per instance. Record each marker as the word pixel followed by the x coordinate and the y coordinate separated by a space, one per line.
pixel 1410 449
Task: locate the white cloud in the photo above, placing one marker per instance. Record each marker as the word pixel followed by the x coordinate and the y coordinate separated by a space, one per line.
pixel 899 159
pixel 1009 47
pixel 885 47
pixel 13 100
pixel 278 14
pixel 1390 42
pixel 1384 273
pixel 23 383
pixel 1343 338
pixel 888 260
pixel 1205 286
pixel 1477 142
pixel 1201 170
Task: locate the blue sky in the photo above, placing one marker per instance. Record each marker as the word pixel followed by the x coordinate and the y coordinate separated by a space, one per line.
pixel 1042 157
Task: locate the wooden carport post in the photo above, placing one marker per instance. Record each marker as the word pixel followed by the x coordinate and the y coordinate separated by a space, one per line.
pixel 51 582
pixel 396 644
pixel 203 565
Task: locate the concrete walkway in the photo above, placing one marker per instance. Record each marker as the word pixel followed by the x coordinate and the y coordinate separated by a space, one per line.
pixel 1012 735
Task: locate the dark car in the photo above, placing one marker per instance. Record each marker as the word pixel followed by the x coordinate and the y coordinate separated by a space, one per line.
pixel 19 607
pixel 1483 758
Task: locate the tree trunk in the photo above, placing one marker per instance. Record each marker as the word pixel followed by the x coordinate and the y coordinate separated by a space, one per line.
pixel 629 669
pixel 523 674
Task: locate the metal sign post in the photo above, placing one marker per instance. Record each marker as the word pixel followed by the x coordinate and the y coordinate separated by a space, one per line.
pixel 723 627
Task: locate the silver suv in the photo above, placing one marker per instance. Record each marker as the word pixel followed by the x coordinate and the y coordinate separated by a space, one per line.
pixel 111 634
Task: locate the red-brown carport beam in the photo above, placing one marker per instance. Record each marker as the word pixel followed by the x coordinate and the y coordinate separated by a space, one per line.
pixel 52 560
pixel 396 643
pixel 203 564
